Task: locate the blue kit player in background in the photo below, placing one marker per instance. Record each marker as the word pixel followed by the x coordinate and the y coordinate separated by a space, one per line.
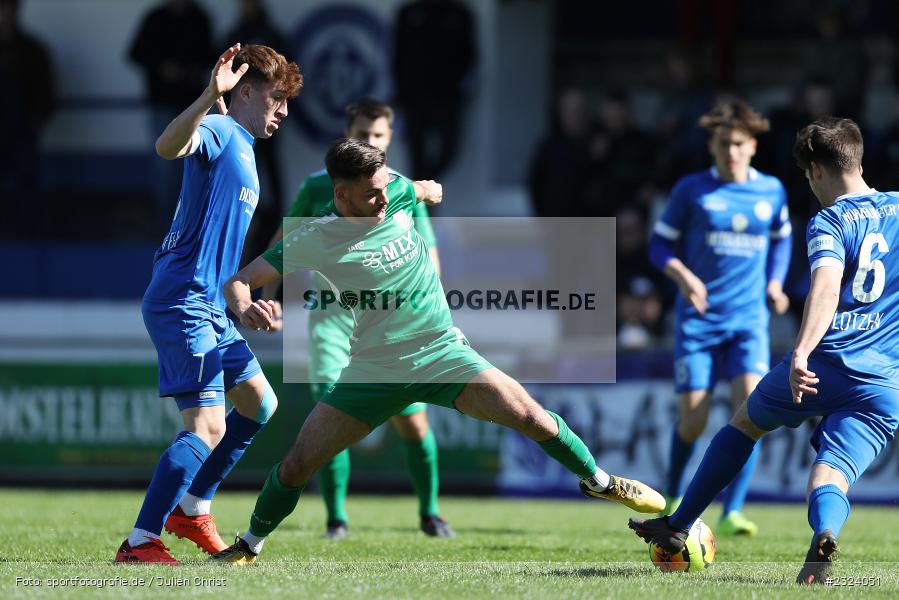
pixel 724 239
pixel 845 364
pixel 202 357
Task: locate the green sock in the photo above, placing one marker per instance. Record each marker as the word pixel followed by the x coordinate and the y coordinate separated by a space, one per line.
pixel 275 502
pixel 334 477
pixel 569 450
pixel 421 459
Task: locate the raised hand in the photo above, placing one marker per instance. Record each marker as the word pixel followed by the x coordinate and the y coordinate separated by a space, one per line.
pixel 224 78
pixel 428 191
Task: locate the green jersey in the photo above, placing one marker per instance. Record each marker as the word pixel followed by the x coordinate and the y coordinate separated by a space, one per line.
pixel 382 275
pixel 315 196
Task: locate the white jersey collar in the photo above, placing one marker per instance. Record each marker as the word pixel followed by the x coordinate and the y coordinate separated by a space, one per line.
pixel 753 174
pixel 867 192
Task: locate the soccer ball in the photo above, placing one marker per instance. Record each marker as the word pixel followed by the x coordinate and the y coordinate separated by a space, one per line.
pixel 348 300
pixel 697 554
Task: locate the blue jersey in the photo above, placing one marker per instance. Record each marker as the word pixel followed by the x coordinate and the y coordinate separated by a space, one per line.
pixel 721 231
pixel 859 234
pixel 219 193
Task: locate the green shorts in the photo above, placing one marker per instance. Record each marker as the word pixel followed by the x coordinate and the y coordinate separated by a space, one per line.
pixel 381 382
pixel 329 353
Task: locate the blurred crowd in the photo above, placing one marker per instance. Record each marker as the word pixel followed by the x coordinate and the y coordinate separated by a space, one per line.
pixel 598 159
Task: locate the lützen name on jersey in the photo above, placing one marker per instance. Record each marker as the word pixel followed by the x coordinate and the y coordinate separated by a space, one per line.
pixel 856 321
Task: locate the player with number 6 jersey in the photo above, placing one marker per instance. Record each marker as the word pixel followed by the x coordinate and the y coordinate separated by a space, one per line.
pixel 859 234
pixel 845 362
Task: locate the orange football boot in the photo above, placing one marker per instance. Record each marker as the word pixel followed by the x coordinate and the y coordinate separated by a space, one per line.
pixel 151 551
pixel 199 529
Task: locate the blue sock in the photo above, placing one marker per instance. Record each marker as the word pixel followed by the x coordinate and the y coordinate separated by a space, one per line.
pixel 828 508
pixel 735 494
pixel 726 455
pixel 174 472
pixel 681 452
pixel 239 433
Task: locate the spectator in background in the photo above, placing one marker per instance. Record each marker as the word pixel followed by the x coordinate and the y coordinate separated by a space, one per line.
pixel 812 100
pixel 559 172
pixel 624 157
pixel 28 100
pixel 174 48
pixel 638 283
pixel 838 58
pixel 684 100
pixel 884 156
pixel 694 23
pixel 434 54
pixel 254 27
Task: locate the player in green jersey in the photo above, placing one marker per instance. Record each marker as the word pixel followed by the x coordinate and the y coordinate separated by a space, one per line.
pixel 404 345
pixel 329 340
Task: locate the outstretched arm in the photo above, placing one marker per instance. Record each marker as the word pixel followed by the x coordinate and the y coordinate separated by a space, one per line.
pixel 661 254
pixel 260 315
pixel 822 302
pixel 176 140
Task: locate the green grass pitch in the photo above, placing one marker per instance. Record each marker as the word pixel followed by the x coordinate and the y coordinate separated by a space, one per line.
pixel 505 549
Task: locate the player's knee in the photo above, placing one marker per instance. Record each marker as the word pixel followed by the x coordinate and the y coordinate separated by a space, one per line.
pixel 211 433
pixel 742 422
pixel 691 425
pixel 411 429
pixel 267 405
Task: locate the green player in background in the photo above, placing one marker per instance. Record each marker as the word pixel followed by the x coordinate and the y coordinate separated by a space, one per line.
pixel 405 348
pixel 329 339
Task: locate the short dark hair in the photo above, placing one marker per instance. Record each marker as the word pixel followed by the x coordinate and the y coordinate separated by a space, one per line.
pixel 268 66
pixel 734 113
pixel 349 159
pixel 368 107
pixel 835 144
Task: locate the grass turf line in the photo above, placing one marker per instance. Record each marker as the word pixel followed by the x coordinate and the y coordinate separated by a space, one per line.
pixel 505 548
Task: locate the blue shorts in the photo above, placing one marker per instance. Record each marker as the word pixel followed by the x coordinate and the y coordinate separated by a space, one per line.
pixel 859 418
pixel 201 354
pixel 697 362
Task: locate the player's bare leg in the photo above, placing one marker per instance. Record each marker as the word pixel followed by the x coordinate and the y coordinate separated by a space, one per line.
pixel 494 396
pixel 693 414
pixel 421 459
pixel 325 432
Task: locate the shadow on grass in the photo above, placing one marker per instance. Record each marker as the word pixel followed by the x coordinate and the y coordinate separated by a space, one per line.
pixel 501 531
pixel 614 570
pixel 631 570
